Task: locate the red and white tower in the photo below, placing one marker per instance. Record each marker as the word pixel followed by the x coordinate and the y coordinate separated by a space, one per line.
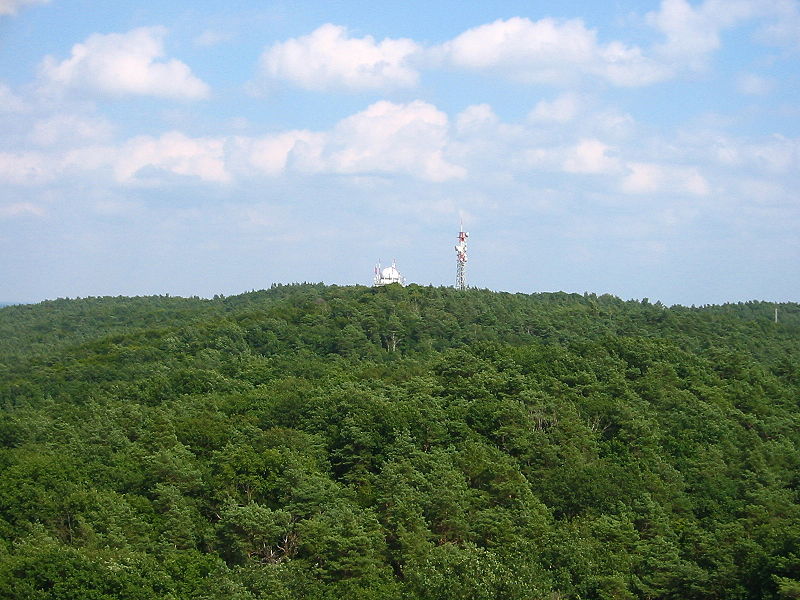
pixel 461 259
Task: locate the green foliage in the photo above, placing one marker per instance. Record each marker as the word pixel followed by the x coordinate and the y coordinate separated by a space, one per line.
pixel 325 442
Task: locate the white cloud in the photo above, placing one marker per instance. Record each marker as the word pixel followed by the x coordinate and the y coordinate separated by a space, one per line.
pixel 562 109
pixel 587 156
pixel 478 124
pixel 777 154
pixel 69 128
pixel 590 156
pixel 124 63
pixel 753 85
pixel 147 159
pixel 629 66
pixel 271 154
pixel 19 209
pixel 142 159
pixel 211 38
pixel 476 118
pixel 689 34
pixel 393 138
pixel 9 101
pixel 762 191
pixel 481 143
pixel 614 124
pixel 693 182
pixel 11 7
pixel 644 178
pixel 174 153
pixel 692 33
pixel 25 168
pixel 549 51
pixel 559 52
pixel 412 140
pixel 384 139
pixel 532 48
pixel 328 58
pixel 653 178
pixel 784 29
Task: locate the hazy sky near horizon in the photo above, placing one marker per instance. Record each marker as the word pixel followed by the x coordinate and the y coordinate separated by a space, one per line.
pixel 638 148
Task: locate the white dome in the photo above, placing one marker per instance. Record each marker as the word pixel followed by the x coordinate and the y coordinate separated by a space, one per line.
pixel 390 273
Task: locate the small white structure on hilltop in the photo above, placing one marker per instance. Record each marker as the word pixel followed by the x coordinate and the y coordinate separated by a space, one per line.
pixel 388 275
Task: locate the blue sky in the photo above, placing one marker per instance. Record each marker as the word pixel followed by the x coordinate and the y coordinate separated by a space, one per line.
pixel 643 149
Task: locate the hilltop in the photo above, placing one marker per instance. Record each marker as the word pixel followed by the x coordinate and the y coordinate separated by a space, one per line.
pixel 314 441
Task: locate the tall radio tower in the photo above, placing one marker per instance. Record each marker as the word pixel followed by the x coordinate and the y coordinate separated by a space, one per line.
pixel 461 259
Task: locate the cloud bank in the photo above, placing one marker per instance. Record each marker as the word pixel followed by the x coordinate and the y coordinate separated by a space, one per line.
pixel 411 141
pixel 545 51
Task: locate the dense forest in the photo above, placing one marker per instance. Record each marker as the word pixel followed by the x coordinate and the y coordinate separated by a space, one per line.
pixel 418 443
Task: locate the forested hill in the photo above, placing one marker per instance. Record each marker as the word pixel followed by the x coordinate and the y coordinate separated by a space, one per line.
pixel 323 442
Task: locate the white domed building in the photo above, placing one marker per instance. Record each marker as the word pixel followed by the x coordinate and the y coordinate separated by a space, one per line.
pixel 388 275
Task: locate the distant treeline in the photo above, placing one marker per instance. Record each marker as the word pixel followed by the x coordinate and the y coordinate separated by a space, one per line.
pixel 326 442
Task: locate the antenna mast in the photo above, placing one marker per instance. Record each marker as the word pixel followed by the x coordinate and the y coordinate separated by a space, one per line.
pixel 461 259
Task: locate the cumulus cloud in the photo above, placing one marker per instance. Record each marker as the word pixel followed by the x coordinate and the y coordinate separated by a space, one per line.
pixel 173 153
pixel 481 142
pixel 9 101
pixel 69 128
pixel 211 38
pixel 329 58
pixel 562 109
pixel 385 139
pixel 784 28
pixel 553 51
pixel 632 166
pixel 25 168
pixel 549 51
pixel 545 51
pixel 776 154
pixel 271 154
pixel 12 7
pixel 476 119
pixel 19 209
pixel 119 64
pixel 691 33
pixel 590 156
pixel 643 178
pixel 753 85
pixel 763 191
pixel 393 138
pixel 653 178
pixel 150 159
pixel 413 140
pixel 142 159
